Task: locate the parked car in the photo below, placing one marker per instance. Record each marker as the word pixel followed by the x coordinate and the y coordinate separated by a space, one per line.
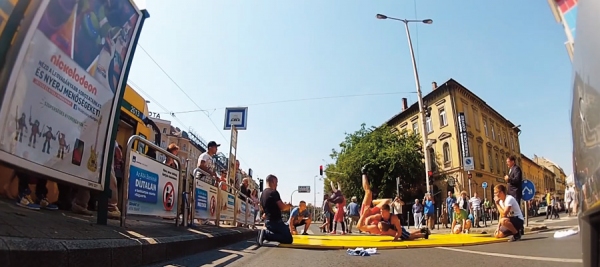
pixel 543 208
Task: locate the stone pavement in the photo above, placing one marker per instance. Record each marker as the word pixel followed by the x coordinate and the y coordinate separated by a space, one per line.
pixel 61 238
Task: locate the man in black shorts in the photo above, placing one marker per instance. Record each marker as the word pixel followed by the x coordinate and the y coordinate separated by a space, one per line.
pixel 272 206
pixel 511 217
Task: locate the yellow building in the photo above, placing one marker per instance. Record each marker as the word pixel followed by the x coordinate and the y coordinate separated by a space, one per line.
pixel 558 180
pixel 534 173
pixel 491 138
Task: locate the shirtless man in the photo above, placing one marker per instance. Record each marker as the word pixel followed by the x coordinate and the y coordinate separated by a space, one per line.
pixel 366 210
pixel 390 225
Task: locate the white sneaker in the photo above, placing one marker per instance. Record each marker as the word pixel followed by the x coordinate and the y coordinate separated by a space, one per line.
pixel 260 239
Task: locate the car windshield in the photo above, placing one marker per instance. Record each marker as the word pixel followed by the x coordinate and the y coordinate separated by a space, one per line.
pixel 543 204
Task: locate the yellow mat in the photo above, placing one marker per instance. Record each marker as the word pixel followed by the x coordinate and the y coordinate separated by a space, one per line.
pixel 386 242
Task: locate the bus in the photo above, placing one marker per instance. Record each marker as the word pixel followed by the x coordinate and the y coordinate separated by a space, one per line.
pixel 134 120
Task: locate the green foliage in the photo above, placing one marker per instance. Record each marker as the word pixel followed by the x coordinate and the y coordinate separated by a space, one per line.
pixel 388 154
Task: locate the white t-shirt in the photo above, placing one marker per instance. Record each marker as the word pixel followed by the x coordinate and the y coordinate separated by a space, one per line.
pixel 475 203
pixel 511 202
pixel 210 164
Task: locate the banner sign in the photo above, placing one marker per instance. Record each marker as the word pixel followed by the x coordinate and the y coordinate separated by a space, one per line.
pixel 206 201
pixel 152 187
pixel 63 90
pixel 252 218
pixel 464 136
pixel 227 206
pixel 240 208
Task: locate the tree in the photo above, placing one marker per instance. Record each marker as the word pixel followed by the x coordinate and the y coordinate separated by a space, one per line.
pixel 388 154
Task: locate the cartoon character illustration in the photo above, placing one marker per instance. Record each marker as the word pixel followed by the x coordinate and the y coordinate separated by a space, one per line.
pixel 92 163
pixel 48 135
pixel 62 145
pixel 35 130
pixel 21 126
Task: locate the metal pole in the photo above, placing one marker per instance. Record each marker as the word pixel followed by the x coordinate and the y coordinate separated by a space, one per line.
pixel 315 198
pixel 470 194
pixel 292 196
pixel 421 105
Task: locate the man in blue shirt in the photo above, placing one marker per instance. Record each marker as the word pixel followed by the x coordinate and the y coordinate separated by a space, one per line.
pixel 298 217
pixel 450 200
pixel 353 213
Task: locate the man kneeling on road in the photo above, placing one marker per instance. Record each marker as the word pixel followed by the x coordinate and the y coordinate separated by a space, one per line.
pixel 511 217
pixel 460 222
pixel 298 217
pixel 390 225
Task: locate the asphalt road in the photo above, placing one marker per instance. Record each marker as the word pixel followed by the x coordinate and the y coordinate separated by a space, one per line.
pixel 532 251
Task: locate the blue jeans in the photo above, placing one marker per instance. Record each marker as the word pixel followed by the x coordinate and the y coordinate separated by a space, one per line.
pixel 278 231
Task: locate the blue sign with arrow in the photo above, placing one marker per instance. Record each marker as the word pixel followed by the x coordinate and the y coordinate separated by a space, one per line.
pixel 528 190
pixel 484 185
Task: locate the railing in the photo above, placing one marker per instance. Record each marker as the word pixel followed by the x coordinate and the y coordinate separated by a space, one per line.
pixel 150 178
pixel 219 202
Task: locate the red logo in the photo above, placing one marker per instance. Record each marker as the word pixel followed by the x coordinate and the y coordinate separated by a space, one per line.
pixel 213 205
pixel 168 196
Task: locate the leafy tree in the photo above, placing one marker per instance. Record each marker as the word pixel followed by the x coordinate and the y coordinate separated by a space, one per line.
pixel 389 155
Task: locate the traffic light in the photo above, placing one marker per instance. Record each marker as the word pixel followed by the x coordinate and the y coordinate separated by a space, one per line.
pixel 429 173
pixel 321 170
pixel 260 184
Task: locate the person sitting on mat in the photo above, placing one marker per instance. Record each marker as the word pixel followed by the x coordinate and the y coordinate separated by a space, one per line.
pixel 369 206
pixel 390 225
pixel 460 222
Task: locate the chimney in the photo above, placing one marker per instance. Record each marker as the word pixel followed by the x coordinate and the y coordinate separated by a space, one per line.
pixel 433 86
pixel 404 104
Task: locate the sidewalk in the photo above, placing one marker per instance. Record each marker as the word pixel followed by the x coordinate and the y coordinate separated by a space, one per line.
pixel 61 238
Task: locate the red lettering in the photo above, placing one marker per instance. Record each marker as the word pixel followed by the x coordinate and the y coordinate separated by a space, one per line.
pixel 72 72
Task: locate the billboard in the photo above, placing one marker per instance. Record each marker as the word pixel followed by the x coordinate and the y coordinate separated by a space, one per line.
pixel 568 9
pixel 152 187
pixel 206 201
pixel 63 89
pixel 463 135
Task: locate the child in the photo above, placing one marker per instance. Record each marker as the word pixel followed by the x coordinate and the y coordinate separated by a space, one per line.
pixel 338 198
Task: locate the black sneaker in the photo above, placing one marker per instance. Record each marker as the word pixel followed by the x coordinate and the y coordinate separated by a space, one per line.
pixel 260 239
pixel 305 233
pixel 515 237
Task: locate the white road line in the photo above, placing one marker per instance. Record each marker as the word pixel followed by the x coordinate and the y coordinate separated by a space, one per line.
pixel 515 256
pixel 221 261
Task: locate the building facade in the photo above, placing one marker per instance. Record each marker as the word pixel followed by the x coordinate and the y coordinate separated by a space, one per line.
pixel 558 180
pixel 489 138
pixel 565 13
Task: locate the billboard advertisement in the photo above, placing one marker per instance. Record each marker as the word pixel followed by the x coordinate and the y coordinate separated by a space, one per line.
pixel 64 88
pixel 206 201
pixel 463 135
pixel 240 209
pixel 227 206
pixel 152 187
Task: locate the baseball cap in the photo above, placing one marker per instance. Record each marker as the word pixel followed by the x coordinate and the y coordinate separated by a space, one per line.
pixel 213 143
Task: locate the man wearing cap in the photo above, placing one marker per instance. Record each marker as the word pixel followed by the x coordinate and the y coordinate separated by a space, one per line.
pixel 207 163
pixel 353 213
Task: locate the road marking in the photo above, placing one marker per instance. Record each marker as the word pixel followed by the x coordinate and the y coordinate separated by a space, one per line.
pixel 221 261
pixel 515 256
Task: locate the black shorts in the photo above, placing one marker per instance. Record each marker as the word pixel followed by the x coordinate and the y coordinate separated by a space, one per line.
pixel 516 222
pixel 302 222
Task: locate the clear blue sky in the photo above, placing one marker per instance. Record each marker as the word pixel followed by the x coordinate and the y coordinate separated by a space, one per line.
pixel 240 53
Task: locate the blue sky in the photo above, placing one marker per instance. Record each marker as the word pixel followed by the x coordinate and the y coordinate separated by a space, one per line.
pixel 241 53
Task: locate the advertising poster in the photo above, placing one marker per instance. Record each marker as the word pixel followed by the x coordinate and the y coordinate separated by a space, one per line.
pixel 63 89
pixel 152 187
pixel 240 209
pixel 206 201
pixel 227 206
pixel 251 217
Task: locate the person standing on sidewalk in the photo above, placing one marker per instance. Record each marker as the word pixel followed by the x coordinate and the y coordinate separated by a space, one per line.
pixel 429 209
pixel 397 208
pixel 417 210
pixel 515 181
pixel 353 213
pixel 450 200
pixel 272 206
pixel 475 202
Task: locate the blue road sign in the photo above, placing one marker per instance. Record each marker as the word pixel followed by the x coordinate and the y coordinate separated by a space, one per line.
pixel 237 117
pixel 528 190
pixel 484 185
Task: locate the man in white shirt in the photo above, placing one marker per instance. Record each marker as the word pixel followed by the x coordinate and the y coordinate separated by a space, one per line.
pixel 207 163
pixel 475 202
pixel 511 217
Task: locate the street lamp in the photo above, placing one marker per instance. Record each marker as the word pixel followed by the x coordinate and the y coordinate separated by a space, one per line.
pixel 315 196
pixel 418 84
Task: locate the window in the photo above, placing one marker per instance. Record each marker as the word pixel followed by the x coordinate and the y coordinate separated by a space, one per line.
pixel 497 164
pixel 481 163
pixel 476 118
pixel 485 129
pixel 164 130
pixel 465 111
pixel 493 132
pixel 184 147
pixel 447 155
pixel 443 118
pixel 491 162
pixel 415 127
pixel 505 140
pixel 432 160
pixel 428 124
pixel 512 143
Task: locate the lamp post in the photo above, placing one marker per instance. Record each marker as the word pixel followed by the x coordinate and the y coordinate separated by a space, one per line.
pixel 315 197
pixel 418 85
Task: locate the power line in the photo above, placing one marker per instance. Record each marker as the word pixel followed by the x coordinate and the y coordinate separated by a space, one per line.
pixel 188 96
pixel 296 100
